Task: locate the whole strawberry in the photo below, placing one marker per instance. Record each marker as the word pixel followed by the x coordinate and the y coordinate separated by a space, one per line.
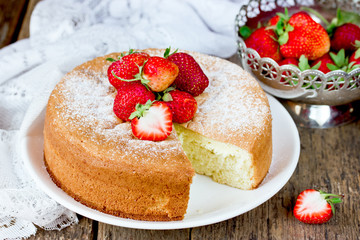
pixel 324 61
pixel 128 97
pixel 315 207
pixel 301 35
pixel 126 68
pixel 344 37
pixel 151 121
pixel 159 73
pixel 191 77
pixel 183 105
pixel 263 40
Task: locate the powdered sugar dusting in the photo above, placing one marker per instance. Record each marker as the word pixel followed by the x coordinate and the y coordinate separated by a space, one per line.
pixel 233 105
pixel 87 109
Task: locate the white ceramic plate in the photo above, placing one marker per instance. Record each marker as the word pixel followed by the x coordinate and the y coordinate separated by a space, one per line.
pixel 209 203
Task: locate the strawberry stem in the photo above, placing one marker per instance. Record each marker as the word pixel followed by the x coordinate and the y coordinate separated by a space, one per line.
pixel 334 200
pixel 137 77
pixel 140 109
pixel 167 52
pixel 283 27
pixel 110 59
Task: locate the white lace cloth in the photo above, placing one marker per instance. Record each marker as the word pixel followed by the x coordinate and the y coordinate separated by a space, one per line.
pixel 64 33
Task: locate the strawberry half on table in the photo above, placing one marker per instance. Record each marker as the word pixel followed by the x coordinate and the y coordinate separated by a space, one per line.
pixel 151 121
pixel 315 207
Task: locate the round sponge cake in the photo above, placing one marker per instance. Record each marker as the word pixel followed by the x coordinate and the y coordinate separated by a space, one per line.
pixel 94 157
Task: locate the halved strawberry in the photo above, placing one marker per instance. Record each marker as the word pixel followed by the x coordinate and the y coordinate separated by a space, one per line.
pixel 126 68
pixel 315 207
pixel 151 121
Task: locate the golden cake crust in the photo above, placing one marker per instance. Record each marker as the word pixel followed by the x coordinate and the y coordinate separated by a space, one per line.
pixel 93 156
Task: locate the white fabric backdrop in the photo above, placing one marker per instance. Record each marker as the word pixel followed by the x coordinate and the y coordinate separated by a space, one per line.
pixel 64 33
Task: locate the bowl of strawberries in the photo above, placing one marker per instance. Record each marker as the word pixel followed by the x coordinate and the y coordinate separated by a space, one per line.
pixel 307 54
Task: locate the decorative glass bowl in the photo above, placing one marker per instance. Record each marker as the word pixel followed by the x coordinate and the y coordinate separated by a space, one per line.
pixel 314 99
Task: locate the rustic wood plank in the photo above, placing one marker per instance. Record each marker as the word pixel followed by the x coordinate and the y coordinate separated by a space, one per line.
pixel 11 15
pixel 81 231
pixel 25 30
pixel 330 160
pixel 110 232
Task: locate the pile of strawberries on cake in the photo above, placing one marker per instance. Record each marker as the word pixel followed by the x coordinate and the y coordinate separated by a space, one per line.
pixel 299 40
pixel 153 91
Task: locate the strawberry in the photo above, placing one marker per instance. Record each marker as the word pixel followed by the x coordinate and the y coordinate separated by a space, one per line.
pixel 274 20
pixel 315 207
pixel 125 68
pixel 291 61
pixel 151 121
pixel 127 97
pixel 324 61
pixel 159 73
pixel 302 63
pixel 264 41
pixel 344 37
pixel 183 105
pixel 191 77
pixel 301 35
pixel 341 62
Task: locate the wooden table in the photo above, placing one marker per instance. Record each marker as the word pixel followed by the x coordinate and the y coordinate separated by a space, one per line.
pixel 330 160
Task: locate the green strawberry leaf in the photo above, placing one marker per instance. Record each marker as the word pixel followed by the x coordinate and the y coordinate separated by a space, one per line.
pixel 357 53
pixel 316 66
pixel 341 18
pixel 285 15
pixel 140 109
pixel 279 28
pixel 167 52
pixel 167 97
pixel 332 67
pixel 283 38
pixel 283 28
pixel 354 67
pixel 349 17
pixel 111 59
pixel 245 32
pixel 339 58
pixel 304 63
pixel 289 28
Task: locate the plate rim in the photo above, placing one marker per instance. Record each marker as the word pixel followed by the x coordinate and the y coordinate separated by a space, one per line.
pixel 158 225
